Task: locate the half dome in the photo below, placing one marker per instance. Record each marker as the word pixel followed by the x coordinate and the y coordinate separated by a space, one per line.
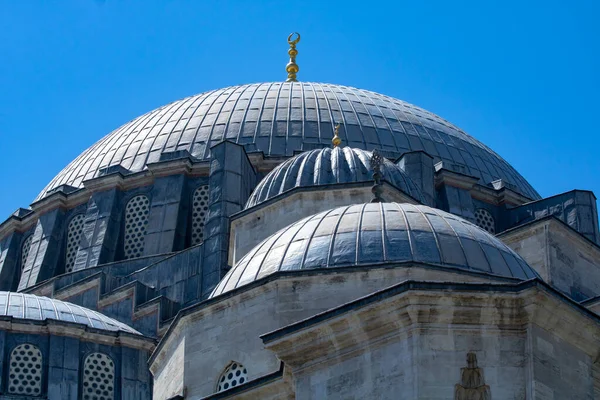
pixel 329 166
pixel 281 119
pixel 38 308
pixel 378 234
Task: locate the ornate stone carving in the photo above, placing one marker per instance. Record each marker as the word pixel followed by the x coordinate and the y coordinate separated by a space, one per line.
pixel 472 384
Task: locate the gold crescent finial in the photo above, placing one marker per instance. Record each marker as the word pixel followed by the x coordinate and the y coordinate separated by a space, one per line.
pixel 336 138
pixel 295 41
pixel 291 67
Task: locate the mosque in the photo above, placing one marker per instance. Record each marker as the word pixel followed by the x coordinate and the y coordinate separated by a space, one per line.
pixel 296 240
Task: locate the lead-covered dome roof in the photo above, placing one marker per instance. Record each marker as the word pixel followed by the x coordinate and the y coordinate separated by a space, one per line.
pixel 38 308
pixel 329 166
pixel 283 118
pixel 377 234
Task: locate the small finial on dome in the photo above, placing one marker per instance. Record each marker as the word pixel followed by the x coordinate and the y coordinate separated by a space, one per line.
pixel 376 161
pixel 291 67
pixel 336 138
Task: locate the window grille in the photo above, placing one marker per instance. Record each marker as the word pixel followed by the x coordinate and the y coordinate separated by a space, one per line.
pixel 25 370
pixel 98 377
pixel 74 232
pixel 234 375
pixel 25 251
pixel 136 220
pixel 484 220
pixel 199 211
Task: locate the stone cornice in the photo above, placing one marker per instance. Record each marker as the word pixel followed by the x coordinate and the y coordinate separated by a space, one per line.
pixel 410 306
pixel 501 195
pixel 196 311
pixel 262 163
pixel 523 230
pixel 388 190
pixel 17 224
pixel 60 199
pixel 455 179
pixel 177 167
pixel 78 331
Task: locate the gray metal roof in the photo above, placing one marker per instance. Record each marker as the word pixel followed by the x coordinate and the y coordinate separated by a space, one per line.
pixel 37 308
pixel 282 118
pixel 328 166
pixel 375 234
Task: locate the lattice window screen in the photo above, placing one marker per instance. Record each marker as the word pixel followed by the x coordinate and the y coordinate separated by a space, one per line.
pixel 98 377
pixel 199 212
pixel 235 374
pixel 136 219
pixel 25 251
pixel 485 220
pixel 74 232
pixel 25 370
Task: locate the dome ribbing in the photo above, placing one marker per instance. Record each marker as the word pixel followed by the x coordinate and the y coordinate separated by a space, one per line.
pixel 329 166
pixel 378 234
pixel 281 119
pixel 38 308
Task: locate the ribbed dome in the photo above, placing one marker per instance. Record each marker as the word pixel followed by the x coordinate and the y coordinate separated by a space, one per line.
pixel 32 307
pixel 375 234
pixel 327 166
pixel 282 118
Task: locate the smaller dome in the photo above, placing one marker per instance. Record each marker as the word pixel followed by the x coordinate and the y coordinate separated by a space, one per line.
pixel 32 307
pixel 377 234
pixel 328 166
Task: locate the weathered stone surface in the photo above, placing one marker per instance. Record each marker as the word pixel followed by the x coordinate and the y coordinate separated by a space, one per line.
pixel 240 319
pixel 561 256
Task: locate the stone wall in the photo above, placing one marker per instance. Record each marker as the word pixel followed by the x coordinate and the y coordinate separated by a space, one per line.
pixel 559 370
pixel 417 340
pixel 228 328
pixel 253 226
pixel 561 256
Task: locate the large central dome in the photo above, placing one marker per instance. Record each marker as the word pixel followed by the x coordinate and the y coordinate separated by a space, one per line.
pixel 282 118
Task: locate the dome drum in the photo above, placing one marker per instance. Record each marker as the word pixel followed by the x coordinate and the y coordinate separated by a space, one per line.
pixel 251 226
pixel 47 345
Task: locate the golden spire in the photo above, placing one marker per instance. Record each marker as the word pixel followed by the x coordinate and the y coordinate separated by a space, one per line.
pixel 336 139
pixel 291 67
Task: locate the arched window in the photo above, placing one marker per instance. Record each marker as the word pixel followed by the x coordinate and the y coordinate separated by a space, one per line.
pixel 199 211
pixel 25 251
pixel 98 377
pixel 484 220
pixel 136 219
pixel 25 370
pixel 74 232
pixel 234 375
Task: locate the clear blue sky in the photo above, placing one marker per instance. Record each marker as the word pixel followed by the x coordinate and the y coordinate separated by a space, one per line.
pixel 521 76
